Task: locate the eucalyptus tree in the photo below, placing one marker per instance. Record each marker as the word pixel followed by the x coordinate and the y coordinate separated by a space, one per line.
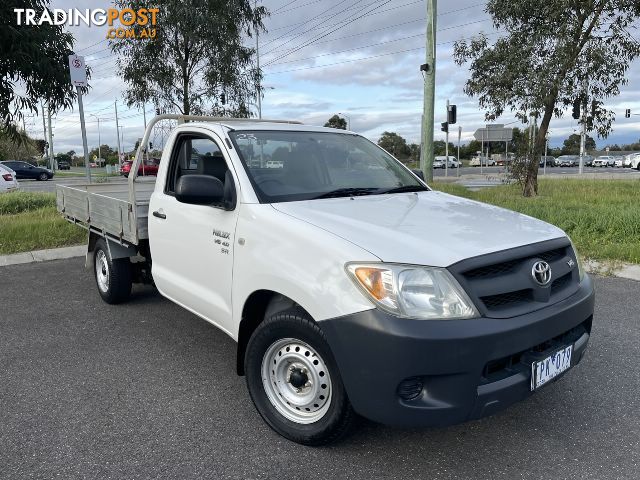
pixel 553 54
pixel 198 61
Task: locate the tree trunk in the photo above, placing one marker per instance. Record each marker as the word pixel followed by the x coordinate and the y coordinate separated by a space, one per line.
pixel 530 186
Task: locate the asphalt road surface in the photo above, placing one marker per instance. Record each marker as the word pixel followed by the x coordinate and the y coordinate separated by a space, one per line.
pixel 148 390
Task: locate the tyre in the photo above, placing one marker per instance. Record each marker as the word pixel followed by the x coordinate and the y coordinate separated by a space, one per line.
pixel 113 277
pixel 43 177
pixel 294 381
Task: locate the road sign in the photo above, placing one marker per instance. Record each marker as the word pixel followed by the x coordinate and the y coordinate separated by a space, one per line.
pixel 494 133
pixel 78 71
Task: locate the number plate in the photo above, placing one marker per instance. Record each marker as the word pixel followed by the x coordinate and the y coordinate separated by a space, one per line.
pixel 545 370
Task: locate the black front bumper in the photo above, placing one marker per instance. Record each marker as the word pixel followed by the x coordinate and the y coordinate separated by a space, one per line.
pixel 467 368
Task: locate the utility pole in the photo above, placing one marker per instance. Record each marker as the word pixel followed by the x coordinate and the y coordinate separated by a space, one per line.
pixel 459 161
pixel 50 138
pixel 99 140
pixel 44 127
pixel 446 145
pixel 583 134
pixel 546 150
pixel 258 65
pixel 429 72
pixel 118 137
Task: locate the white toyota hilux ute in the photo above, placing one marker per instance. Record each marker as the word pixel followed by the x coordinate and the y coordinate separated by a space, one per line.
pixel 349 285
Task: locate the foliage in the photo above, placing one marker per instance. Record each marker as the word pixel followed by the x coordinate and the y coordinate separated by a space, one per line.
pixel 33 66
pixel 552 54
pixel 394 144
pixel 336 122
pixel 16 202
pixel 198 55
pixel 439 148
pixel 599 215
pixel 571 145
pixel 23 148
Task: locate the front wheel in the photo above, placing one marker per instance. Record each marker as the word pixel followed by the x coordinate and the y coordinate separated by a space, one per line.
pixel 294 381
pixel 113 277
pixel 43 177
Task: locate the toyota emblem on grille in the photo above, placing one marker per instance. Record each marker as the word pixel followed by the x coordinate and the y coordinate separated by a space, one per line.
pixel 541 273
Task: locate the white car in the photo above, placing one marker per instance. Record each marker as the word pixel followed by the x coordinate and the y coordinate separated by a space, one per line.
pixel 442 162
pixel 604 161
pixel 635 161
pixel 348 289
pixel 8 181
pixel 628 160
pixel 482 161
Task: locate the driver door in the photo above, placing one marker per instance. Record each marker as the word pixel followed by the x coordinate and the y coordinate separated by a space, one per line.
pixel 192 245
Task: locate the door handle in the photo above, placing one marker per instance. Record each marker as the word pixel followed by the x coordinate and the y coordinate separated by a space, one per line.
pixel 159 214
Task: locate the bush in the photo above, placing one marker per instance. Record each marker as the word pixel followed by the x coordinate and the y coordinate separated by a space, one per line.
pixel 17 202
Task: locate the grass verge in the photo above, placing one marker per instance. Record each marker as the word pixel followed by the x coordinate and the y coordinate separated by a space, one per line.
pixel 29 221
pixel 602 217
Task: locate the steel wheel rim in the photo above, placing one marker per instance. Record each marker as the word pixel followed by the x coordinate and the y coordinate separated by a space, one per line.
pixel 286 361
pixel 102 271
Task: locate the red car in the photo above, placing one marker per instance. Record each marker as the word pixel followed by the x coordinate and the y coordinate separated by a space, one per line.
pixel 147 167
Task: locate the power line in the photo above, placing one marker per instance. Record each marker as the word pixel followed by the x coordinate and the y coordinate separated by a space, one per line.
pixel 325 34
pixel 312 28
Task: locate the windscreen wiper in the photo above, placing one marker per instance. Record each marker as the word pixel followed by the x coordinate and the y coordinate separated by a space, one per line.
pixel 347 192
pixel 403 188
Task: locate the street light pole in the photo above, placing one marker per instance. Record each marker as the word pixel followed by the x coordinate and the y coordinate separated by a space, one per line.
pixel 99 139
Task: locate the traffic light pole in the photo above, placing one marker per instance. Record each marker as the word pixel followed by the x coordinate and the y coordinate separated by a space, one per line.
pixel 429 71
pixel 446 145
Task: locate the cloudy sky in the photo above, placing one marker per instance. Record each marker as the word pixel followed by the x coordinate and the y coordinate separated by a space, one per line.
pixel 364 63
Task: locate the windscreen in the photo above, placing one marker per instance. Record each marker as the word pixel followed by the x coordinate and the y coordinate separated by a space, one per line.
pixel 286 166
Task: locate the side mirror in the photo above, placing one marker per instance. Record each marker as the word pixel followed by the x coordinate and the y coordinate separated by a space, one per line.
pixel 199 190
pixel 418 173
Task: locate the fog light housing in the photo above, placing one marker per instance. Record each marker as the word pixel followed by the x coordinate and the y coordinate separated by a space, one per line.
pixel 410 388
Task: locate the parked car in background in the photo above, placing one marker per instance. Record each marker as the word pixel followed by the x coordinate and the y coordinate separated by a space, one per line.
pixel 619 162
pixel 587 160
pixel 635 161
pixel 604 161
pixel 8 182
pixel 567 161
pixel 25 170
pixel 550 161
pixel 147 167
pixel 486 162
pixel 628 160
pixel 62 165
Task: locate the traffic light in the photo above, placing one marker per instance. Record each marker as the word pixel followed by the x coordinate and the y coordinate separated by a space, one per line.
pixel 445 127
pixel 627 113
pixel 452 114
pixel 576 108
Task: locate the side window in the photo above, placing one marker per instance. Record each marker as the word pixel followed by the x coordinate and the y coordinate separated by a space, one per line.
pixel 196 155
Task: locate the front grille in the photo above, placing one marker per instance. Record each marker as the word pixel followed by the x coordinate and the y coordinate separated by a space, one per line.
pixel 560 284
pixel 504 299
pixel 502 286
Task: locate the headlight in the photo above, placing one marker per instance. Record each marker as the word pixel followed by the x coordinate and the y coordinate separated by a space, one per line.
pixel 579 259
pixel 425 293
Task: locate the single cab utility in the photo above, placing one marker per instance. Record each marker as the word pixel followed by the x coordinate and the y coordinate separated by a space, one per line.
pixel 348 284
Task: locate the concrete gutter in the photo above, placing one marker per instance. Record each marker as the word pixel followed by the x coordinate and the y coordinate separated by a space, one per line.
pixel 43 255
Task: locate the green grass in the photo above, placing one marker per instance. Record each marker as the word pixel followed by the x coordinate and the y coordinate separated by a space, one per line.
pixel 601 216
pixel 29 221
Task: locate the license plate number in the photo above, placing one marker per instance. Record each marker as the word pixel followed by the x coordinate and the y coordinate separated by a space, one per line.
pixel 549 368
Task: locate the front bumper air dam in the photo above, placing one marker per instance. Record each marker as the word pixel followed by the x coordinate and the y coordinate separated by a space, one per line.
pixel 376 351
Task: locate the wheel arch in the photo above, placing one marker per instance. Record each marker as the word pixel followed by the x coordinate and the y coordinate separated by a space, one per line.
pixel 259 305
